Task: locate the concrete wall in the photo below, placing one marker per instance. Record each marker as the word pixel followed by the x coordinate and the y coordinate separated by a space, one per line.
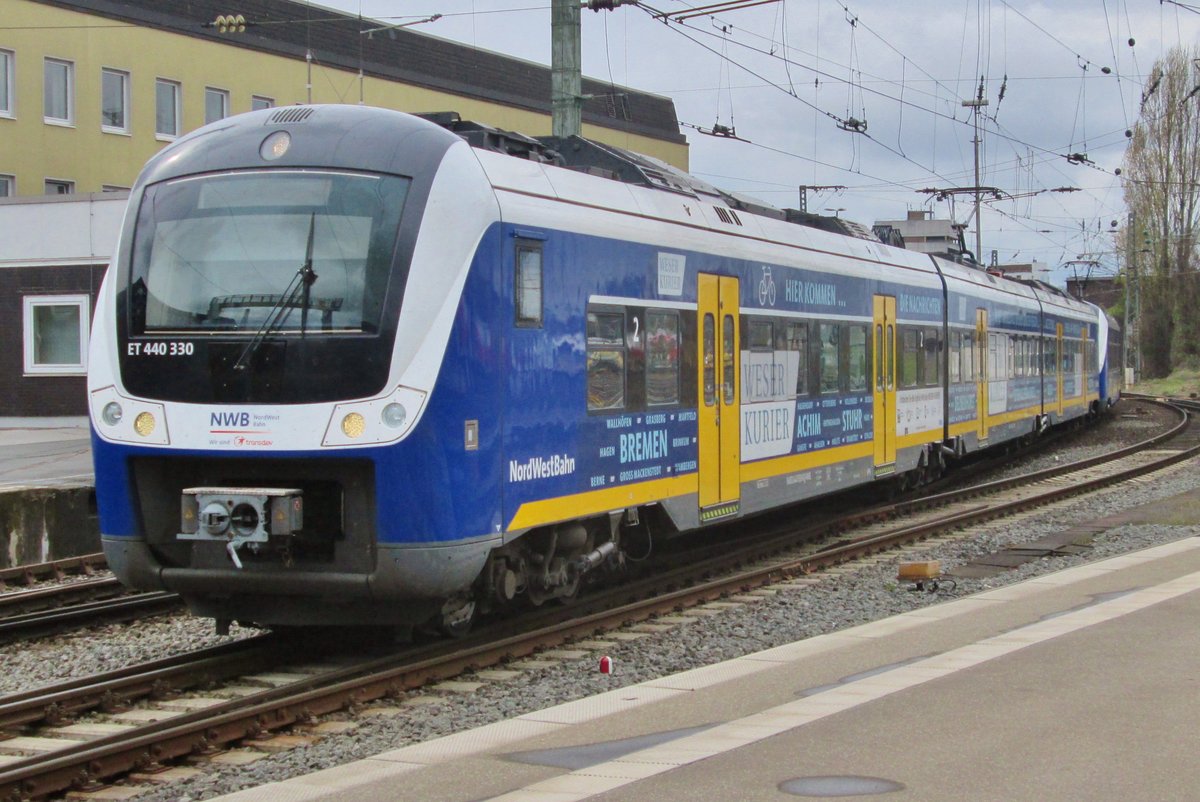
pixel 29 517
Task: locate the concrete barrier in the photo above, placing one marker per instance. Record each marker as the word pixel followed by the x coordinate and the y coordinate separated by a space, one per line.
pixel 43 524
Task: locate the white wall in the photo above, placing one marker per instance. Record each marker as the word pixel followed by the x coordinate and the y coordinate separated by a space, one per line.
pixel 60 229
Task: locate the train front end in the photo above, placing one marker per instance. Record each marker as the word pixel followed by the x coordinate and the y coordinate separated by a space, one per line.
pixel 266 344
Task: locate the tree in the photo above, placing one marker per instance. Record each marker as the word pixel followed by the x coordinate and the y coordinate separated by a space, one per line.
pixel 1162 189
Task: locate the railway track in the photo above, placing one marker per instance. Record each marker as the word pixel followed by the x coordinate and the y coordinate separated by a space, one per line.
pixel 77 604
pixel 86 565
pixel 289 693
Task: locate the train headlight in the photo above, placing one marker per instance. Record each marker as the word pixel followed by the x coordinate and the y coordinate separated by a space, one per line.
pixel 375 421
pixel 275 145
pixel 112 413
pixel 394 415
pixel 144 424
pixel 353 425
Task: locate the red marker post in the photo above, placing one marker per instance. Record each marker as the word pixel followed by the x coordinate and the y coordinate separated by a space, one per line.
pixel 606 665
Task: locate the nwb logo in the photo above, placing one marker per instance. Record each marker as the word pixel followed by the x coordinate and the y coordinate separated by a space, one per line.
pixel 229 419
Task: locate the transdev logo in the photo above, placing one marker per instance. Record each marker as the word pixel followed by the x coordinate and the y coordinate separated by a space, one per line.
pixel 540 468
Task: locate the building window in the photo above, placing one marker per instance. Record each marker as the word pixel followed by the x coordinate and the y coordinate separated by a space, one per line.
pixel 114 93
pixel 166 109
pixel 8 186
pixel 258 103
pixel 7 86
pixel 57 186
pixel 216 104
pixel 59 92
pixel 56 334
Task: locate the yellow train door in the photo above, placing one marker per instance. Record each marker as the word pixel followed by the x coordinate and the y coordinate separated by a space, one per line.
pixel 981 373
pixel 720 405
pixel 884 352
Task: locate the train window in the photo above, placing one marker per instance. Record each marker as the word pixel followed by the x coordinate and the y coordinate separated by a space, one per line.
pixel 910 357
pixel 931 347
pixel 606 361
pixel 762 335
pixel 955 356
pixel 194 267
pixel 889 356
pixel 1050 354
pixel 796 345
pixel 993 355
pixel 967 355
pixel 729 362
pixel 829 356
pixel 710 361
pixel 860 361
pixel 879 358
pixel 662 358
pixel 528 284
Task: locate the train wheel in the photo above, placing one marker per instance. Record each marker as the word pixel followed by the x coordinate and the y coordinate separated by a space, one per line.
pixel 457 617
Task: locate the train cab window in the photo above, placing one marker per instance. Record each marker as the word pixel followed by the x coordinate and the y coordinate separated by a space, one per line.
pixel 710 361
pixel 528 284
pixel 662 358
pixel 860 359
pixel 828 356
pixel 910 357
pixel 605 361
pixel 795 344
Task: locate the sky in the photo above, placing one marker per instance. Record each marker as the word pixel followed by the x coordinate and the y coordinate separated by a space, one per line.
pixel 795 79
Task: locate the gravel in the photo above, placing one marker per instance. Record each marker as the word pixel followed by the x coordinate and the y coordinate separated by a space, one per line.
pixel 837 602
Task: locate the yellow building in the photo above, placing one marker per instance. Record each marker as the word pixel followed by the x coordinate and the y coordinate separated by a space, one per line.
pixel 91 89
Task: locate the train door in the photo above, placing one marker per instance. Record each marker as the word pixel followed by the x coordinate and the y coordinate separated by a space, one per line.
pixel 981 374
pixel 1058 369
pixel 720 407
pixel 885 384
pixel 1086 366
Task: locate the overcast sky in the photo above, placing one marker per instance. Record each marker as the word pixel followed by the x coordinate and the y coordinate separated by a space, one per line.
pixel 789 76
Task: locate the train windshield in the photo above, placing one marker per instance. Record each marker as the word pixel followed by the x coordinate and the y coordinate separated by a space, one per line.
pixel 273 250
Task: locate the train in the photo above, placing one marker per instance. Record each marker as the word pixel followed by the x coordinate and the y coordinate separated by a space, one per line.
pixel 352 366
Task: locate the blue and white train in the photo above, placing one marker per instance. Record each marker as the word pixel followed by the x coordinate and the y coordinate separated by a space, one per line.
pixel 352 366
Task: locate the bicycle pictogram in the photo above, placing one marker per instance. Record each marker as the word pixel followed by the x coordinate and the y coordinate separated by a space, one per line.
pixel 766 288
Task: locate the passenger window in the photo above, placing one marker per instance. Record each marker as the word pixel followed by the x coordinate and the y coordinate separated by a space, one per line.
pixel 955 356
pixel 796 345
pixel 910 357
pixel 860 363
pixel 527 286
pixel 662 358
pixel 606 361
pixel 762 335
pixel 829 357
pixel 932 353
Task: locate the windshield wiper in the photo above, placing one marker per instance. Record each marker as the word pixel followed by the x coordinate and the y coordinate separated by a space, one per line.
pixel 300 285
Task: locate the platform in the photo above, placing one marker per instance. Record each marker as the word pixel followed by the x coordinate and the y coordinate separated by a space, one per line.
pixel 1075 685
